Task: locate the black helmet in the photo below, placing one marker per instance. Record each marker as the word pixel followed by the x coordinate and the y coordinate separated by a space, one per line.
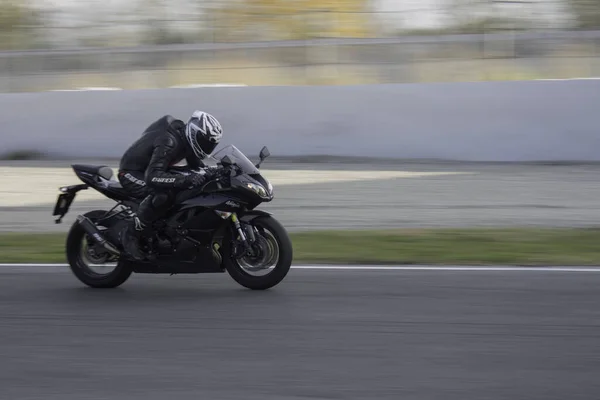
pixel 203 133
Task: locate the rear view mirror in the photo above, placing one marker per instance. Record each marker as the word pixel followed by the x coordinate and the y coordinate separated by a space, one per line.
pixel 264 153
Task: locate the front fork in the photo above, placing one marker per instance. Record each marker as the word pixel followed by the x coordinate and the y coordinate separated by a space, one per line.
pixel 246 238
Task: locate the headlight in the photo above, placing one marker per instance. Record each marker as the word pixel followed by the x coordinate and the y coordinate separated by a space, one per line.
pixel 258 189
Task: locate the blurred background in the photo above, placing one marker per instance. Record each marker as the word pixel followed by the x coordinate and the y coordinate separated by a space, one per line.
pixel 128 44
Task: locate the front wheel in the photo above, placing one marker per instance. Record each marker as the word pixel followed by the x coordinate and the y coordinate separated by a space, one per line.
pixel 89 262
pixel 271 263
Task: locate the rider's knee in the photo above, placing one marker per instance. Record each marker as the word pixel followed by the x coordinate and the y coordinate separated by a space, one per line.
pixel 161 200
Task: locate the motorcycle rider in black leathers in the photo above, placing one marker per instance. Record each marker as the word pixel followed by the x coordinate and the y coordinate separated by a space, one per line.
pixel 143 170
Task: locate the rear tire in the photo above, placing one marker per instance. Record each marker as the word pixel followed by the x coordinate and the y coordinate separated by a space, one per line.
pixel 75 240
pixel 279 271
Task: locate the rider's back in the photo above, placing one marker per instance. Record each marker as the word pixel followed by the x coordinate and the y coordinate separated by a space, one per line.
pixel 162 131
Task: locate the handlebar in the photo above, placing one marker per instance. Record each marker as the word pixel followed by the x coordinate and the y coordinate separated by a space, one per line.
pixel 218 174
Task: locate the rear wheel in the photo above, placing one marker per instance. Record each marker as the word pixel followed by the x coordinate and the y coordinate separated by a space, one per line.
pixel 89 262
pixel 273 259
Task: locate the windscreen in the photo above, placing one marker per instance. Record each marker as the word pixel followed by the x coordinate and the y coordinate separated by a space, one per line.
pixel 237 157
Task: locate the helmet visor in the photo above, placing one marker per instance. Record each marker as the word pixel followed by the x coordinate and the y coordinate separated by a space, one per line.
pixel 206 145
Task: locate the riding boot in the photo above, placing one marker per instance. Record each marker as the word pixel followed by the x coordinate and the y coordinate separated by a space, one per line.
pixel 148 211
pixel 130 239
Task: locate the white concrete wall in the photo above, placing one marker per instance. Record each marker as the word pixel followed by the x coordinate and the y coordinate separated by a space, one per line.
pixel 488 121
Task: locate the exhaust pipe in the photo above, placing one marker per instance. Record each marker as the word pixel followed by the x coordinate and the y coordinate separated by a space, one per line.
pixel 93 231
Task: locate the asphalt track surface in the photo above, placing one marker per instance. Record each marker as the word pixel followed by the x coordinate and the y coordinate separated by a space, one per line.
pixel 325 334
pixel 321 334
pixel 483 195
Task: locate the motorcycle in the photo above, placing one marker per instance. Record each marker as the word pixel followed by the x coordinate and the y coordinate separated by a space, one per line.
pixel 215 228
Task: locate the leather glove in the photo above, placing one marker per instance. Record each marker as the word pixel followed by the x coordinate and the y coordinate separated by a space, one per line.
pixel 195 180
pixel 213 172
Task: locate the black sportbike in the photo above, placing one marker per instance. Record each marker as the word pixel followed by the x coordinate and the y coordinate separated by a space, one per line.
pixel 210 229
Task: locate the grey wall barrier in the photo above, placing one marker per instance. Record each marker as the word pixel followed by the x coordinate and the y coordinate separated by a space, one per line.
pixel 487 121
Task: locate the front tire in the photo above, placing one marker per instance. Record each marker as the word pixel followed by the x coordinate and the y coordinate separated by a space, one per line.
pixel 78 248
pixel 275 232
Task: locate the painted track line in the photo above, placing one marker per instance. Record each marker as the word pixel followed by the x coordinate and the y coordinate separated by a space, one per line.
pixel 456 268
pixel 448 268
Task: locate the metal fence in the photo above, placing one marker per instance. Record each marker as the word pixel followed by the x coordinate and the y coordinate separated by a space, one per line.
pixel 217 59
pixel 323 61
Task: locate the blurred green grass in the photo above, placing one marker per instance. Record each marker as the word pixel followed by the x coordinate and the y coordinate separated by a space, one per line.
pixel 35 248
pixel 552 246
pixel 452 246
pixel 257 74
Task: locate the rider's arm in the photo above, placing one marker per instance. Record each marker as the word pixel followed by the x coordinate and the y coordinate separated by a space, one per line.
pixel 162 158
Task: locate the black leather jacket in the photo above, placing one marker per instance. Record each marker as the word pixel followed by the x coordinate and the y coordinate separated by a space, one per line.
pixel 161 146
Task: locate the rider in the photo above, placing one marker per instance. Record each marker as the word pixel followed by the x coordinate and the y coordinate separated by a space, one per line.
pixel 143 170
